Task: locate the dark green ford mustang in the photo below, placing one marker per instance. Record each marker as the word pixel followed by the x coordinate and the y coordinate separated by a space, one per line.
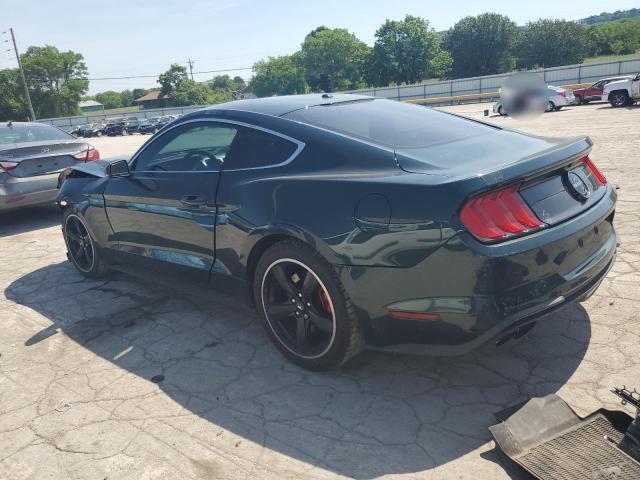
pixel 353 221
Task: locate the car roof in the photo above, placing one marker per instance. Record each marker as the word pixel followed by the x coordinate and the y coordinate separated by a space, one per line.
pixel 278 106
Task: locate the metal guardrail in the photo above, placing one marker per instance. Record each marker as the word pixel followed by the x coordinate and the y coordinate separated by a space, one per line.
pixel 103 117
pixel 564 75
pixel 475 97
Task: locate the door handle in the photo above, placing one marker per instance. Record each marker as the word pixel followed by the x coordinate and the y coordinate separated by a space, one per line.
pixel 193 201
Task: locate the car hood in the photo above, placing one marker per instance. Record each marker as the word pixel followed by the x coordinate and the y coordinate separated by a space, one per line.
pixel 614 85
pixel 493 157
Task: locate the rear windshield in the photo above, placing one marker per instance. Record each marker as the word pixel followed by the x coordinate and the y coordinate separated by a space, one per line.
pixel 390 123
pixel 30 133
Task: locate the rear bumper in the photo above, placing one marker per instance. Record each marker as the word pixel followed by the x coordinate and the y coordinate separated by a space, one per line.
pixel 507 326
pixel 17 193
pixel 483 291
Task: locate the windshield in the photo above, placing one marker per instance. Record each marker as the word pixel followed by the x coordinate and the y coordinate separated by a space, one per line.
pixel 30 133
pixel 390 123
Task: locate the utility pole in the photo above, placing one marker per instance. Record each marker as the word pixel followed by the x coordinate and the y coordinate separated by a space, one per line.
pixel 191 62
pixel 24 80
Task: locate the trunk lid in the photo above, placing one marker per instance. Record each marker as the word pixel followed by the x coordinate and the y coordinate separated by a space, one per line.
pixel 542 166
pixel 41 158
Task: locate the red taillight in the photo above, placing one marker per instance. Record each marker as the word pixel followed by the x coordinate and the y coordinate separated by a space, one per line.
pixel 6 166
pixel 88 155
pixel 587 161
pixel 499 215
pixel 563 94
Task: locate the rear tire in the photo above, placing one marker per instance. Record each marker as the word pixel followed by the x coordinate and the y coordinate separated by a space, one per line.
pixel 82 250
pixel 551 107
pixel 579 100
pixel 304 308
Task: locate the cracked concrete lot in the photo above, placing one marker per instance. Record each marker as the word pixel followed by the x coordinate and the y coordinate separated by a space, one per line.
pixel 121 379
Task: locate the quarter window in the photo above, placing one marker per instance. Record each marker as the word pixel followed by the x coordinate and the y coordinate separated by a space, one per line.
pixel 192 147
pixel 254 148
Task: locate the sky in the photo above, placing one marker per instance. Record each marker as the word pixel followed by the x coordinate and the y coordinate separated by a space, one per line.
pixel 126 38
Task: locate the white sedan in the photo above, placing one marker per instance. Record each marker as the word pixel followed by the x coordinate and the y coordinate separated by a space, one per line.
pixel 558 97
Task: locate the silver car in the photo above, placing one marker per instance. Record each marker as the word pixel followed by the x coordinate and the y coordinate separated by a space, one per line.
pixel 557 97
pixel 31 157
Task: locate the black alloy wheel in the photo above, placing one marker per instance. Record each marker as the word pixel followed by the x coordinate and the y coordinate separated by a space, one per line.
pixel 298 308
pixel 81 248
pixel 79 244
pixel 619 99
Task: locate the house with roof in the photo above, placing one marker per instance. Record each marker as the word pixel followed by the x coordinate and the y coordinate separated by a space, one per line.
pixel 153 99
pixel 90 106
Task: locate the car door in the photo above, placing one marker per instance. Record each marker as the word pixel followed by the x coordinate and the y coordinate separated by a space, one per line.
pixel 594 92
pixel 163 213
pixel 256 153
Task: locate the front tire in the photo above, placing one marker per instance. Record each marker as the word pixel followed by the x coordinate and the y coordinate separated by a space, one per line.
pixel 81 247
pixel 619 99
pixel 579 100
pixel 551 107
pixel 304 308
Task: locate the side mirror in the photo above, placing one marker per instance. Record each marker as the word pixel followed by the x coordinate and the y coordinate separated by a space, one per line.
pixel 119 168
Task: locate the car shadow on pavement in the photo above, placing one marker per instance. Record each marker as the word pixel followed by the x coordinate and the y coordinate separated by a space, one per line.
pixel 28 219
pixel 381 414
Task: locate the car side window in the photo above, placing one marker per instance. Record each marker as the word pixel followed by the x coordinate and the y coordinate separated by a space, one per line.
pixel 192 147
pixel 253 148
pixel 598 84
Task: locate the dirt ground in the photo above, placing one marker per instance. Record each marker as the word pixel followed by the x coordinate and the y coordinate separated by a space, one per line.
pixel 121 379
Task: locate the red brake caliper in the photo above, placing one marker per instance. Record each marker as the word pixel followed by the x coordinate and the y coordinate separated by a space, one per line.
pixel 324 300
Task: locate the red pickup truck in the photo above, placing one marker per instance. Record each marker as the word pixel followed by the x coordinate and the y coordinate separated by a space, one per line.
pixel 594 92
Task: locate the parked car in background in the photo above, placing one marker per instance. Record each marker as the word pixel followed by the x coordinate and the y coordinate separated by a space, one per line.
pixel 74 130
pixel 114 129
pixel 78 130
pixel 309 203
pixel 594 92
pixel 31 157
pixel 148 127
pixel 557 97
pixel 92 130
pixel 622 92
pixel 131 125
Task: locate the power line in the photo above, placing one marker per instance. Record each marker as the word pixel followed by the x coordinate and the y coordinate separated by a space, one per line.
pixel 131 77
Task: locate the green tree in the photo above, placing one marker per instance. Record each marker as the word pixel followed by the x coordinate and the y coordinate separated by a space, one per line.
pixel 333 59
pixel 57 80
pixel 127 98
pixel 482 45
pixel 139 92
pixel 12 102
pixel 109 99
pixel 619 37
pixel 278 76
pixel 240 83
pixel 406 51
pixel 223 82
pixel 179 90
pixel 173 80
pixel 549 43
